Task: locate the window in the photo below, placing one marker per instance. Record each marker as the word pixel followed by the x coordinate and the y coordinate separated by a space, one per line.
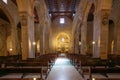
pixel 5 1
pixel 62 20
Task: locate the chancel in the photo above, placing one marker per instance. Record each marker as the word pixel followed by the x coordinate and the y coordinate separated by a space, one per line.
pixel 59 39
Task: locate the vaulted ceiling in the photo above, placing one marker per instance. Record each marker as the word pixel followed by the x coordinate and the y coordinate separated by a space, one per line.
pixel 62 7
pixel 36 19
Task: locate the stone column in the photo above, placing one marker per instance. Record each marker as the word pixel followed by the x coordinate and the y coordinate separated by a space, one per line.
pixel 3 39
pixel 111 38
pixel 100 34
pixel 89 38
pixel 115 39
pixel 37 37
pixel 117 46
pixel 41 40
pixel 47 41
pixel 77 42
pixel 27 23
pixel 83 38
pixel 44 39
pixel 74 43
pixel 14 40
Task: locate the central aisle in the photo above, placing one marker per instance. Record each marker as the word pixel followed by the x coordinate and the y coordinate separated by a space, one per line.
pixel 63 70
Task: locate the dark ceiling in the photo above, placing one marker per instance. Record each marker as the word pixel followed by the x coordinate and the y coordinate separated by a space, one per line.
pixel 62 7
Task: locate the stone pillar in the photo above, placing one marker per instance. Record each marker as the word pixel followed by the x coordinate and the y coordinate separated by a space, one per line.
pixel 100 34
pixel 3 39
pixel 111 38
pixel 27 23
pixel 37 37
pixel 74 43
pixel 117 46
pixel 14 40
pixel 83 38
pixel 41 40
pixel 89 38
pixel 77 42
pixel 46 41
pixel 115 40
pixel 75 47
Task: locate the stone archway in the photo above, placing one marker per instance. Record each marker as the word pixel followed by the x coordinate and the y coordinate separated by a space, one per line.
pixel 7 36
pixel 81 22
pixel 5 44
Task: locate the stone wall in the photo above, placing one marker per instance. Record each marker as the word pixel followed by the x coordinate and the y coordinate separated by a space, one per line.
pixel 11 11
pixel 89 37
pixel 115 17
pixel 4 35
pixel 3 42
pixel 58 28
pixel 115 11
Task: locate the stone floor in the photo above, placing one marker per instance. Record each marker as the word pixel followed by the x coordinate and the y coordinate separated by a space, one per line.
pixel 63 70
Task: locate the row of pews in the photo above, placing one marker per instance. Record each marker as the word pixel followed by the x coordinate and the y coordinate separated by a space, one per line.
pixel 40 79
pixel 41 65
pixel 10 58
pixel 87 65
pixel 106 79
pixel 20 79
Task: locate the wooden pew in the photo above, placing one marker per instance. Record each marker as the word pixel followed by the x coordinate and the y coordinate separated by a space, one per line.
pixel 82 65
pixel 107 79
pixel 27 64
pixel 4 71
pixel 20 79
pixel 90 63
pixel 44 61
pixel 103 70
pixel 44 65
pixel 10 58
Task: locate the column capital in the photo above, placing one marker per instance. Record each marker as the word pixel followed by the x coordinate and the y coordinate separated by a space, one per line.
pixel 24 17
pixel 105 16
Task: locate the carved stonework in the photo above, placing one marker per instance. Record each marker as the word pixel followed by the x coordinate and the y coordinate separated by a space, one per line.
pixel 105 15
pixel 23 18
